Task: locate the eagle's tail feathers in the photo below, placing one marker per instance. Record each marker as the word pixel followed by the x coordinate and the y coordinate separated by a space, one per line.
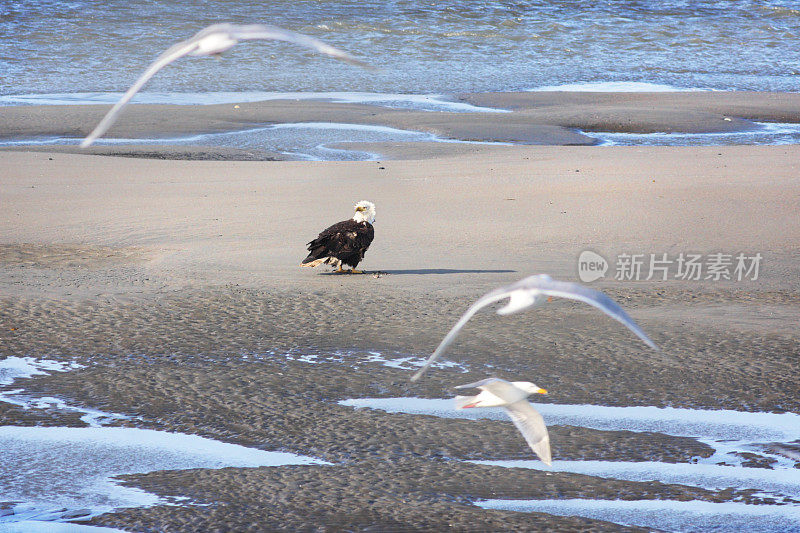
pixel 311 262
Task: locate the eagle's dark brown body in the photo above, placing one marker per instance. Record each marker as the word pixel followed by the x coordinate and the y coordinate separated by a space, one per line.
pixel 344 242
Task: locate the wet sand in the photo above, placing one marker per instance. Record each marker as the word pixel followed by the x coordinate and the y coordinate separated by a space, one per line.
pixel 177 284
pixel 532 118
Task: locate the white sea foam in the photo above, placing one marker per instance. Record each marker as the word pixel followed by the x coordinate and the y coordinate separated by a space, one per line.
pixel 33 526
pixel 343 126
pixel 92 417
pixel 422 102
pixel 355 359
pixel 667 515
pixel 302 140
pixel 407 363
pixel 12 368
pixel 717 424
pixel 615 87
pixel 701 474
pixel 772 133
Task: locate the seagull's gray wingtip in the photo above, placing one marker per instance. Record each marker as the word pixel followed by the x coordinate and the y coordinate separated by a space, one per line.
pixel 650 343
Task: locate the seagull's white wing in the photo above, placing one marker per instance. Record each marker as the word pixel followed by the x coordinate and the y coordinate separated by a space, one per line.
pixel 272 33
pixel 488 299
pixel 531 424
pixel 506 391
pixel 175 52
pixel 496 393
pixel 574 291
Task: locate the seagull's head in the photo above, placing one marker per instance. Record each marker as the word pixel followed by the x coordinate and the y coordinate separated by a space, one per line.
pixel 365 212
pixel 529 387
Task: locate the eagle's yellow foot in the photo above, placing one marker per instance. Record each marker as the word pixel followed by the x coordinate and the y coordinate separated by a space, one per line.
pixel 354 271
pixel 339 270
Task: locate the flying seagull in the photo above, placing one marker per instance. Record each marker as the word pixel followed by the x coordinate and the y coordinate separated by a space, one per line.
pixel 344 242
pixel 532 291
pixel 511 396
pixel 214 40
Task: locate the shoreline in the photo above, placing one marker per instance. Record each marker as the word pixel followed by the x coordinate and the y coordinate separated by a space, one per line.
pixel 534 118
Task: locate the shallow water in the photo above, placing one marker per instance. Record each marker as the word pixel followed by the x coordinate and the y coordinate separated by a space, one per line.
pixel 310 141
pixel 62 473
pixel 765 133
pixel 55 467
pixel 729 433
pixel 441 47
pixel 667 515
pixel 34 526
pixel 12 368
pixel 422 51
pixel 313 141
pixel 717 424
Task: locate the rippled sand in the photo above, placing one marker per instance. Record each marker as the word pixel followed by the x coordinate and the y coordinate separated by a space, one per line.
pixel 176 285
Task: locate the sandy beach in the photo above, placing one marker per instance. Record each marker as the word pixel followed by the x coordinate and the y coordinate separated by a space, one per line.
pixel 173 278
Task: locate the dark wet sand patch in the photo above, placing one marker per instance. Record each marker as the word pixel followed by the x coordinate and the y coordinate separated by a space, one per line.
pixel 213 363
pixel 580 361
pixel 172 152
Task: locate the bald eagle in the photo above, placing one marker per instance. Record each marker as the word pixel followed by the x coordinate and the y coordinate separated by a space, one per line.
pixel 344 242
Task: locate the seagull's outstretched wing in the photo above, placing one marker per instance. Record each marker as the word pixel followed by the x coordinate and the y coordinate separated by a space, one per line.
pixel 574 291
pixel 175 52
pixel 542 284
pixel 531 424
pixel 505 390
pixel 235 33
pixel 488 299
pixel 262 31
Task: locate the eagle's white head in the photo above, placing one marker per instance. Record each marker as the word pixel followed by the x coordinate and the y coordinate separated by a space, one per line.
pixel 365 212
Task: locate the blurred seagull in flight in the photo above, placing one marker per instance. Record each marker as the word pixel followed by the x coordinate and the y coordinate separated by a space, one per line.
pixel 511 396
pixel 532 291
pixel 214 40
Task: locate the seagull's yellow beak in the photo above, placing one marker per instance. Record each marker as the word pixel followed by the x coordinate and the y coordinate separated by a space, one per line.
pixel 541 391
